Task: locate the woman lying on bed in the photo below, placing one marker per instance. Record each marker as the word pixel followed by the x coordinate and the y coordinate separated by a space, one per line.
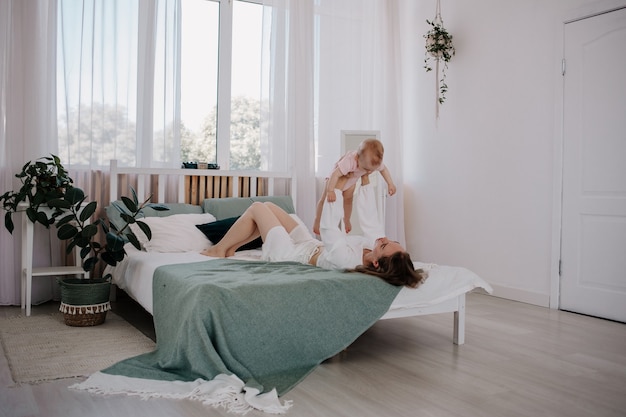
pixel 284 239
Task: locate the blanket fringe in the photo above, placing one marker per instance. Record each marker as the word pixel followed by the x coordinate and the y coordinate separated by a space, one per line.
pixel 225 391
pixel 232 401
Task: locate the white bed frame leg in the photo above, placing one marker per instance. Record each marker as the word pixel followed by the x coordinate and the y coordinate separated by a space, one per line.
pixel 459 322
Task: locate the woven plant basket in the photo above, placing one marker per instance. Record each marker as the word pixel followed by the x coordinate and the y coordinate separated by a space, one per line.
pixel 84 302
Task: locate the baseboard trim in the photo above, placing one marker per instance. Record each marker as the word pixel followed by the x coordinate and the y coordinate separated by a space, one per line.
pixel 524 296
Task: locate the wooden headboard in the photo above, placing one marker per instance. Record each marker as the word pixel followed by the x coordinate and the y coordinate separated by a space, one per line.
pixel 192 186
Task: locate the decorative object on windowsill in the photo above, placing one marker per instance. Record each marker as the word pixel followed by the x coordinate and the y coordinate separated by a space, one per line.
pixel 200 165
pixel 439 48
pixel 46 184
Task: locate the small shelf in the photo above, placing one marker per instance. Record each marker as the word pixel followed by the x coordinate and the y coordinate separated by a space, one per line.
pixel 58 270
pixel 28 272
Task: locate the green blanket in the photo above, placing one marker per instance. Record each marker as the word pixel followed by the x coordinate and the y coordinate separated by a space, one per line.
pixel 270 324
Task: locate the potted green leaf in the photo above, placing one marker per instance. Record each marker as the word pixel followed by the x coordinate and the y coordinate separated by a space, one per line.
pixel 48 197
pixel 42 181
pixel 84 302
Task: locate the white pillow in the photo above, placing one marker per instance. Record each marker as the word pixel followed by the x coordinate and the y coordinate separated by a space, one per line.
pixel 175 233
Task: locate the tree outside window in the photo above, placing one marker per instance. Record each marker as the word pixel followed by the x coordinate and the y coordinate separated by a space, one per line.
pixel 219 95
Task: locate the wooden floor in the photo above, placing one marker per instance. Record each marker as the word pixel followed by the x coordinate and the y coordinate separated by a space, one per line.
pixel 518 360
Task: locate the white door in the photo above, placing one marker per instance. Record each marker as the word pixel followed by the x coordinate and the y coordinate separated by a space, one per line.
pixel 593 246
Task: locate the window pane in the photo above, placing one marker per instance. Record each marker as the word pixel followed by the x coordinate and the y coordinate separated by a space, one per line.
pixel 245 134
pixel 198 105
pixel 96 83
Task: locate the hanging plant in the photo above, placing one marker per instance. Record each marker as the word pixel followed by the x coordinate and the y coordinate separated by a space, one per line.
pixel 439 48
pixel 438 44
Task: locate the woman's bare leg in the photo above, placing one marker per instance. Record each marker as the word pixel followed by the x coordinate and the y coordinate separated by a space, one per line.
pixel 285 219
pixel 243 229
pixel 256 221
pixel 231 252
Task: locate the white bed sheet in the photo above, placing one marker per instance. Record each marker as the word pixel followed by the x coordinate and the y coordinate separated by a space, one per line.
pixel 134 275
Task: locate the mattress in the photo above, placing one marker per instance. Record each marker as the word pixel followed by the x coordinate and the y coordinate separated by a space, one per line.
pixel 134 276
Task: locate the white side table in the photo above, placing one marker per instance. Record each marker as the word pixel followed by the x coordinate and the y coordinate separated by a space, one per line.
pixel 28 272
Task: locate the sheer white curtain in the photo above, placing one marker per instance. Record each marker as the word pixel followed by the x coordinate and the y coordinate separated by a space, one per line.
pixel 359 86
pixel 27 126
pixel 119 82
pixel 289 57
pixel 103 102
pixel 334 65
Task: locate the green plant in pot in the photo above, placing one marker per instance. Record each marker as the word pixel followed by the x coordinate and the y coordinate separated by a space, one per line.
pixel 84 302
pixel 42 181
pixel 48 197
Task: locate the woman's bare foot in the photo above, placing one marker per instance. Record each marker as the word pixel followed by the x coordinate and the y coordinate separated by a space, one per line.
pixel 214 252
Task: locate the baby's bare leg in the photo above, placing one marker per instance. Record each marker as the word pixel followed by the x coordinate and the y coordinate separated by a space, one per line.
pixel 341 182
pixel 348 198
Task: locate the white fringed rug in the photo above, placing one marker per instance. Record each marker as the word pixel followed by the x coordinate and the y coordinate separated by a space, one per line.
pixel 42 348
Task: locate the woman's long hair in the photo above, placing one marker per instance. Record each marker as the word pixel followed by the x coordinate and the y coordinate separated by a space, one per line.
pixel 396 269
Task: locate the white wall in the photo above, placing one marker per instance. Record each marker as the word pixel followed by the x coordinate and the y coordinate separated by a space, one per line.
pixel 480 181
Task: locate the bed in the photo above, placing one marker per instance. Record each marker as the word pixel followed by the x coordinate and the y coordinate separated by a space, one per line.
pixel 443 292
pixel 170 263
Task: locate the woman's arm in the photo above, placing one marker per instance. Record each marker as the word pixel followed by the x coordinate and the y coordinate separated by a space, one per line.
pixel 371 221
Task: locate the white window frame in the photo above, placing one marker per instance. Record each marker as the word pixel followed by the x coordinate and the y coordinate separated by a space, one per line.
pixel 224 80
pixel 224 60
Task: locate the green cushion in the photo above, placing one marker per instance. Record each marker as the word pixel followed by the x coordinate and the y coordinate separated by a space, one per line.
pixel 114 217
pixel 174 208
pixel 223 208
pixel 283 201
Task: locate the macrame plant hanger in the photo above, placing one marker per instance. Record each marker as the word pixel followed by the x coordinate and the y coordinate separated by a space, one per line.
pixel 438 21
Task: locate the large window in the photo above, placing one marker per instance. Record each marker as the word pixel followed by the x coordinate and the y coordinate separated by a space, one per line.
pixel 245 106
pixel 197 97
pixel 220 99
pixel 221 82
pixel 199 80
